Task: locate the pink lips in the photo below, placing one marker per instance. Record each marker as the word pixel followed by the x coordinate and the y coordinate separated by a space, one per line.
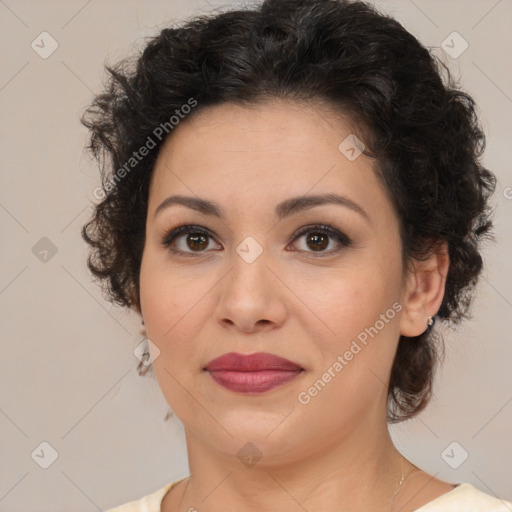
pixel 253 373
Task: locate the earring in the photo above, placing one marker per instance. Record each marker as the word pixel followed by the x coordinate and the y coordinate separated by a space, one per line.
pixel 430 321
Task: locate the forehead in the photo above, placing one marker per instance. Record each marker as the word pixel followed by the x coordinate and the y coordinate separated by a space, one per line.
pixel 261 154
pixel 276 125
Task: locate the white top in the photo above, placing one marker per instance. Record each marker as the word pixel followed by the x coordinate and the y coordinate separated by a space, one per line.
pixel 463 498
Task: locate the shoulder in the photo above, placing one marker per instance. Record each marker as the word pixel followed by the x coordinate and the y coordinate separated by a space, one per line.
pixel 148 503
pixel 466 498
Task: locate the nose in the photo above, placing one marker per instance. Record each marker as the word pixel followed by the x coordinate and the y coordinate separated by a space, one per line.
pixel 251 297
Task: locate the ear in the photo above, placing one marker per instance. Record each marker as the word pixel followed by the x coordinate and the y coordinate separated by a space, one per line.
pixel 424 291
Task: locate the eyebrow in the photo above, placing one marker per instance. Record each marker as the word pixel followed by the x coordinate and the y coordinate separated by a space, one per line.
pixel 285 209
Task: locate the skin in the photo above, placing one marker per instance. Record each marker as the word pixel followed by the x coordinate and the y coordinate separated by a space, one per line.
pixel 335 452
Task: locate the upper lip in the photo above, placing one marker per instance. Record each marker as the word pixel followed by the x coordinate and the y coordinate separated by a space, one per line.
pixel 251 362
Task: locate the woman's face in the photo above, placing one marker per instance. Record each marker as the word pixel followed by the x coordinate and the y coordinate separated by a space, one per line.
pixel 265 278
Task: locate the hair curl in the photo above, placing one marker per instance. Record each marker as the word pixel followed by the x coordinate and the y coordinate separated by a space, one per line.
pixel 423 132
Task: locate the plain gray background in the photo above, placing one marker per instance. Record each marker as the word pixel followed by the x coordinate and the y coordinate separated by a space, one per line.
pixel 68 370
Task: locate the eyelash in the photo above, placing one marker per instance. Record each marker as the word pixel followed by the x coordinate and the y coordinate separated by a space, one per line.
pixel 340 237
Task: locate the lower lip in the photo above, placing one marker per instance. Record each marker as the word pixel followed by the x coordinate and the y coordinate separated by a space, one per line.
pixel 253 382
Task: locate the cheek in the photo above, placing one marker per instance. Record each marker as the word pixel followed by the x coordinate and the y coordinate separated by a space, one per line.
pixel 348 302
pixel 166 296
pixel 159 303
pixel 160 307
pixel 355 361
pixel 175 306
pixel 167 305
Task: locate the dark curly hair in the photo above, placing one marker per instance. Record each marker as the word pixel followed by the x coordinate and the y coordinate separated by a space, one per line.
pixel 421 128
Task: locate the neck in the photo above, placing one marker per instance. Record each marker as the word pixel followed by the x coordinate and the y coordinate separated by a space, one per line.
pixel 359 472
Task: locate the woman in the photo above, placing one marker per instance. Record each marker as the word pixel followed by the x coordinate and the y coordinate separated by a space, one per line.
pixel 291 195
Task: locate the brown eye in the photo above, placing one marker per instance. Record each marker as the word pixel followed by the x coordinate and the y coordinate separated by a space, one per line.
pixel 188 240
pixel 197 241
pixel 317 241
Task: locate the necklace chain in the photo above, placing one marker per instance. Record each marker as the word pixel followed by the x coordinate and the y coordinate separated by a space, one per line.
pixel 397 490
pixel 393 498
